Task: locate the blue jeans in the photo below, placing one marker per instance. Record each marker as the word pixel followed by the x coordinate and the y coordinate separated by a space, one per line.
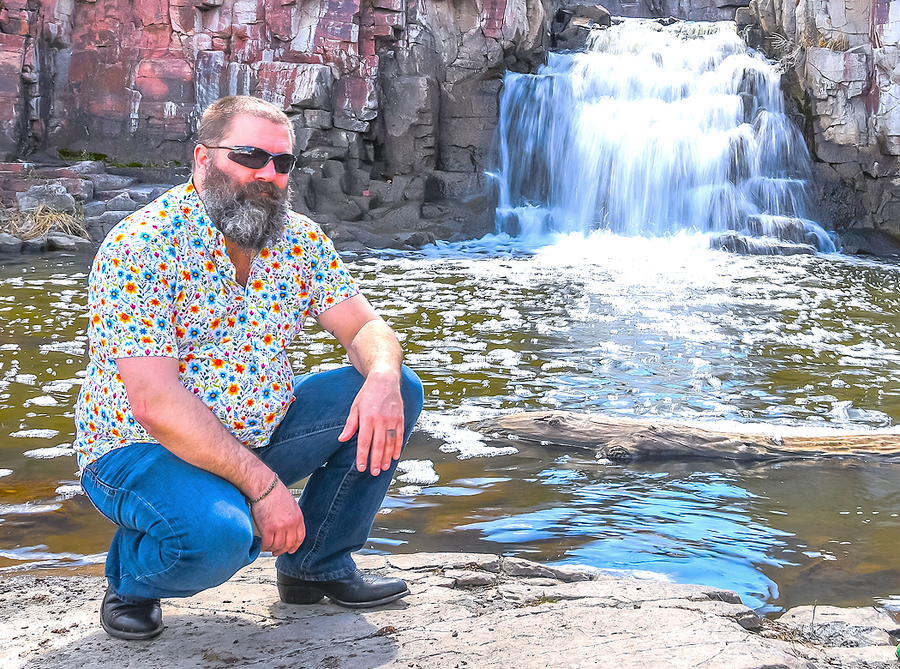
pixel 183 530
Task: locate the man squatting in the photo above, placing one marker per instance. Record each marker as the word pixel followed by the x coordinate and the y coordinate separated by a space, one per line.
pixel 190 423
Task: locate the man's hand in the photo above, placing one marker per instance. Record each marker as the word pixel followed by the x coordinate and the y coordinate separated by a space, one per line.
pixel 279 520
pixel 377 416
pixel 180 421
pixel 377 412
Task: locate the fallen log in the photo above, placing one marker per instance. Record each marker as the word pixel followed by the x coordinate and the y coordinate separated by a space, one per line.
pixel 631 439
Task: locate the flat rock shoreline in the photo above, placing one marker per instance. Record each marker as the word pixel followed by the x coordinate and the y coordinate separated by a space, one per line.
pixel 465 611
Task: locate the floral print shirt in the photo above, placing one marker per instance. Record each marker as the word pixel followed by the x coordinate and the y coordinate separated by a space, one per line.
pixel 162 285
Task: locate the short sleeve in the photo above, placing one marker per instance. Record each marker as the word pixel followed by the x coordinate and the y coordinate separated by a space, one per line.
pixel 331 282
pixel 130 305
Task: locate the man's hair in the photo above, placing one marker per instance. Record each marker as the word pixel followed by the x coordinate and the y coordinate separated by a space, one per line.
pixel 216 120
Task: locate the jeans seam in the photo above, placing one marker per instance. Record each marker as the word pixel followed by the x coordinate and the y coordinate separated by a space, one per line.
pixel 101 486
pixel 117 492
pixel 326 524
pixel 171 533
pixel 304 433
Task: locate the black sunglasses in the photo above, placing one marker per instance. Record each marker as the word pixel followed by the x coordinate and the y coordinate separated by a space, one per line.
pixel 256 158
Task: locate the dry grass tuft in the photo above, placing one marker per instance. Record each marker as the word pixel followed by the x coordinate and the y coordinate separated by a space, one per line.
pixel 39 222
pixel 839 43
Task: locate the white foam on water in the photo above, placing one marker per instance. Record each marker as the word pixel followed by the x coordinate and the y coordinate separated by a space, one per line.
pixel 467 443
pixel 36 434
pixel 69 490
pixel 60 385
pixel 418 472
pixel 28 508
pixel 41 401
pixel 70 347
pixel 5 472
pixel 51 452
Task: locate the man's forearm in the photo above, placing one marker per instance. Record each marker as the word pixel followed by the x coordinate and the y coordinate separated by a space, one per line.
pixel 375 348
pixel 183 424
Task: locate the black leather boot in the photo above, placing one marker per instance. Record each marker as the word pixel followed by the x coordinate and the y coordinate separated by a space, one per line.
pixel 356 591
pixel 130 621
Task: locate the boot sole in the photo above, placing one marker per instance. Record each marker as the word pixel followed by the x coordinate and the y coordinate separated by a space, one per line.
pixel 131 636
pixel 297 594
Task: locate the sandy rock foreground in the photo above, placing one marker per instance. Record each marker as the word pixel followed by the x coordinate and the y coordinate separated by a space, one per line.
pixel 465 611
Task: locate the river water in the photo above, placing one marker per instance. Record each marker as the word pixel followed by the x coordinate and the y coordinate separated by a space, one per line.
pixel 617 169
pixel 607 324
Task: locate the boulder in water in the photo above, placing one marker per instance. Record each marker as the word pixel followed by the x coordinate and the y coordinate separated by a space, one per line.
pixel 758 246
pixel 866 241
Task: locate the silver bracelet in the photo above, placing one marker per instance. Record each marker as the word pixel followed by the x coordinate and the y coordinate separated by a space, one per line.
pixel 266 493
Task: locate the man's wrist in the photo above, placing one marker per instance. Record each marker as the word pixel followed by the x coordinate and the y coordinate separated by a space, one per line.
pixel 266 493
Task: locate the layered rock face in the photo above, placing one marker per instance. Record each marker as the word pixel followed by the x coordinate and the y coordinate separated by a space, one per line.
pixel 843 61
pixel 393 101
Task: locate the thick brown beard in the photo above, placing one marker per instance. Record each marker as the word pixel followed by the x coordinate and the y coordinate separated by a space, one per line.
pixel 250 215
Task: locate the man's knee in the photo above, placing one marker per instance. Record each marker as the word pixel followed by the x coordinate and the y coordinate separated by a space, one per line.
pixel 413 397
pixel 220 546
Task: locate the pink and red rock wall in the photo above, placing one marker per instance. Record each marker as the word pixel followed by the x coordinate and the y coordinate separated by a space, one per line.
pixel 129 78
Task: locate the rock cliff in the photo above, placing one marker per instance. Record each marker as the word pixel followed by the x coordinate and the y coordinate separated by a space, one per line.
pixel 842 63
pixel 394 102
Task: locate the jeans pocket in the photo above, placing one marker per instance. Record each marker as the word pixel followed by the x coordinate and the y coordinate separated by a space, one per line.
pixel 101 494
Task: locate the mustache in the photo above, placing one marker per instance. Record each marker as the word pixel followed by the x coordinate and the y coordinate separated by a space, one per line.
pixel 256 189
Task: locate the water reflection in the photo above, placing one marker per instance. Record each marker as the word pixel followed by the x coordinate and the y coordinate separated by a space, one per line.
pixel 611 325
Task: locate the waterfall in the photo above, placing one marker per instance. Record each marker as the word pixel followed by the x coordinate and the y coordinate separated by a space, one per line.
pixel 651 131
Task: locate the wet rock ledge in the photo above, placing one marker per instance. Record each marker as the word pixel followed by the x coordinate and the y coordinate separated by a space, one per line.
pixel 465 611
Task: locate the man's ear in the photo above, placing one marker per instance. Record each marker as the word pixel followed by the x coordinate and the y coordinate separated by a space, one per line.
pixel 201 155
pixel 201 160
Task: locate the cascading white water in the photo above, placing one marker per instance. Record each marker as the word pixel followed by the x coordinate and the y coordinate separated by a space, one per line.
pixel 652 131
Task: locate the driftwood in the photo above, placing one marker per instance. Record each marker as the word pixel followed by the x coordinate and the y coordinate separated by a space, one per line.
pixel 630 439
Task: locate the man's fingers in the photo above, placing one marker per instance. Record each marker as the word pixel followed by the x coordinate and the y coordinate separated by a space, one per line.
pixel 350 426
pixel 363 443
pixel 390 448
pixel 398 445
pixel 377 451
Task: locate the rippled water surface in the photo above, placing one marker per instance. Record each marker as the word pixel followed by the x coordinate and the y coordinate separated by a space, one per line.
pixel 608 325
